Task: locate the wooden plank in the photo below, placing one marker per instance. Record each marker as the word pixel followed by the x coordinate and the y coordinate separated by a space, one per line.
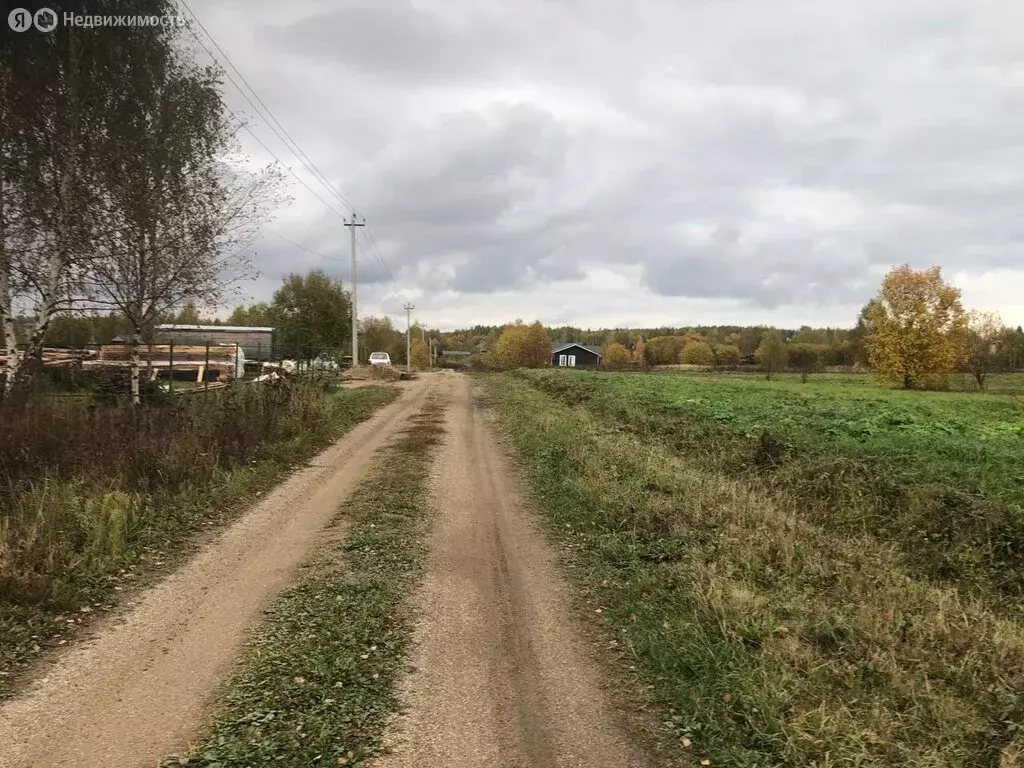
pixel 113 352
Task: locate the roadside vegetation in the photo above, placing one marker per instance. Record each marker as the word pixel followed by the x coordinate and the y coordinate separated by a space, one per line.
pixel 94 497
pixel 801 579
pixel 937 474
pixel 319 683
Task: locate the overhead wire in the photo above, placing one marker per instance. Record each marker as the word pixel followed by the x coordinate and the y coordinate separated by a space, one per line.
pixel 272 122
pixel 289 142
pixel 243 124
pixel 301 247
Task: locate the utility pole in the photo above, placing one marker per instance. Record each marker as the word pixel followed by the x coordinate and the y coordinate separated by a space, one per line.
pixel 408 338
pixel 355 325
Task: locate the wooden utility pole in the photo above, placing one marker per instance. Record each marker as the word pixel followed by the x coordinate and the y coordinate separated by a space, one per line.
pixel 408 338
pixel 355 315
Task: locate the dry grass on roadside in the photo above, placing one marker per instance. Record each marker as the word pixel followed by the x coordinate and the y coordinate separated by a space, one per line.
pixel 767 640
pixel 93 496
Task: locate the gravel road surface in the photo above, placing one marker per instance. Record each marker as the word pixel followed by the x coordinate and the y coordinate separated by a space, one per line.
pixel 503 676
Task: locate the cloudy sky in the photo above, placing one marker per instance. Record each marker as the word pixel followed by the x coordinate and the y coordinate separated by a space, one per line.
pixel 641 162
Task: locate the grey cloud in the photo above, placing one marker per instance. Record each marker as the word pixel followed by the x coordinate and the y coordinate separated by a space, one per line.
pixel 394 42
pixel 498 147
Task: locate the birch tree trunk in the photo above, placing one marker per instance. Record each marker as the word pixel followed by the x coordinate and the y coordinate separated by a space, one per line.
pixel 53 274
pixel 6 299
pixel 136 365
pixel 58 261
pixel 7 321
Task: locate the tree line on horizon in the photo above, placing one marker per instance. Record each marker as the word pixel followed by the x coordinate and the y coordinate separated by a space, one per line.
pixel 914 330
pixel 912 334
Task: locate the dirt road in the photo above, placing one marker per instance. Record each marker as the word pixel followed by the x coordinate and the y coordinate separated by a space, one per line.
pixel 136 693
pixel 503 677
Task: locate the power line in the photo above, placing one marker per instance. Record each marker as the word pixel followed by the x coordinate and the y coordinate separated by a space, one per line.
pixel 252 133
pixel 301 247
pixel 331 208
pixel 380 257
pixel 289 142
pixel 380 260
pixel 286 138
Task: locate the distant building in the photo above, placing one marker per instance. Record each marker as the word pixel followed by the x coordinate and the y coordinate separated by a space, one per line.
pixel 256 342
pixel 572 354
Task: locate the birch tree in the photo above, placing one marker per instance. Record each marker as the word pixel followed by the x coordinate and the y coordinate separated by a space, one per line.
pixel 183 207
pixel 55 121
pixel 52 103
pixel 985 339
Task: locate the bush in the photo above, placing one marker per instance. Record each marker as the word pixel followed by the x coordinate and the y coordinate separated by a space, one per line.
pixel 726 355
pixel 616 356
pixel 80 481
pixel 697 353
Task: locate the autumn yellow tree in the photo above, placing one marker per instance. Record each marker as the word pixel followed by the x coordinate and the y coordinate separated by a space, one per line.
pixel 420 354
pixel 537 347
pixel 727 355
pixel 666 349
pixel 697 353
pixel 616 356
pixel 917 327
pixel 522 346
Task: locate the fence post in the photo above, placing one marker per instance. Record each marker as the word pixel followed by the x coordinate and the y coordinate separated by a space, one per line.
pixel 206 367
pixel 170 366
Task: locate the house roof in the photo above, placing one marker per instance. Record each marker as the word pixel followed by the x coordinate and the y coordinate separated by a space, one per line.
pixel 563 345
pixel 229 328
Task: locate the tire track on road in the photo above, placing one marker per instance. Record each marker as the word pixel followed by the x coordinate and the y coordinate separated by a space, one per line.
pixel 503 676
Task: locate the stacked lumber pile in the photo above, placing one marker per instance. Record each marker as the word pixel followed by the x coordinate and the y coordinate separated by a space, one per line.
pixel 183 353
pixel 57 357
pixel 226 360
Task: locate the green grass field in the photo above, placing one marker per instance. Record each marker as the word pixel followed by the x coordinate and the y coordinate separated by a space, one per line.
pixel 995 384
pixel 821 574
pixel 940 473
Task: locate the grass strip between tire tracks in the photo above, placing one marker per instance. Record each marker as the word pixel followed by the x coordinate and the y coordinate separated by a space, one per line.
pixel 319 683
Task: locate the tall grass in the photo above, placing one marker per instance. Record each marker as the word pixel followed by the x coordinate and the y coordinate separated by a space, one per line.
pixel 766 638
pixel 86 490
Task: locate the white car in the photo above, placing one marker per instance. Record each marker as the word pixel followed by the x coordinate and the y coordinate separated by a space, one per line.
pixel 380 358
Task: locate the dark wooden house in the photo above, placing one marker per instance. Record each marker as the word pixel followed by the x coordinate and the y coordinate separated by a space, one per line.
pixel 572 354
